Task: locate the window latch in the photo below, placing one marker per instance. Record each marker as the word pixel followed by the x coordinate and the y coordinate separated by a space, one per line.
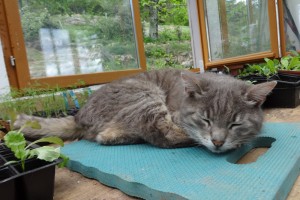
pixel 12 61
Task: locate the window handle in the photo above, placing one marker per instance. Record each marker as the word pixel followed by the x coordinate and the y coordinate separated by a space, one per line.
pixel 12 61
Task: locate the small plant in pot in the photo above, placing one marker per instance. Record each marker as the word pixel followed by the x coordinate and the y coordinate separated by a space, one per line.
pixel 261 71
pixel 26 169
pixel 16 142
pixel 290 64
pixel 287 91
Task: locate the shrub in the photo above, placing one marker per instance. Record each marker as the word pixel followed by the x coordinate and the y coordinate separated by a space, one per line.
pixel 33 21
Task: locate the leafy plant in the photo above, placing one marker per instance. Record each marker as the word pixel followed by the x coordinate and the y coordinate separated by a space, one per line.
pixel 290 62
pixel 33 21
pixel 41 100
pixel 267 69
pixel 271 66
pixel 16 142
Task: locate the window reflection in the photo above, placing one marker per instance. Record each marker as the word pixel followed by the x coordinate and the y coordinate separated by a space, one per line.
pixel 78 37
pixel 237 27
pixel 57 53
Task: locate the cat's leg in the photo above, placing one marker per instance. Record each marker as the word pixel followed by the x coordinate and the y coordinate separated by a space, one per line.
pixel 169 135
pixel 166 135
pixel 116 135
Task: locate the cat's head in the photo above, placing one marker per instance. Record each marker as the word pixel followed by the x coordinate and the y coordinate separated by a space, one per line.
pixel 221 112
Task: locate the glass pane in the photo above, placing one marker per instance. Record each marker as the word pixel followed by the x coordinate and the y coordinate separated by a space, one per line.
pixel 292 24
pixel 78 37
pixel 166 32
pixel 237 27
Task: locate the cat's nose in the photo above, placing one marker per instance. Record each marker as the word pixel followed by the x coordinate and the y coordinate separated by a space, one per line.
pixel 217 143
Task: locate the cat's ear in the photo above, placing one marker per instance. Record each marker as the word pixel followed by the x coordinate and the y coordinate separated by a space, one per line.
pixel 257 94
pixel 191 84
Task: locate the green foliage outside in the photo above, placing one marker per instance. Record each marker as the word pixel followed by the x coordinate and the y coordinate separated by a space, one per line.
pixel 172 48
pixel 34 21
pixel 170 12
pixel 169 50
pixel 244 26
pixel 105 28
pixel 96 26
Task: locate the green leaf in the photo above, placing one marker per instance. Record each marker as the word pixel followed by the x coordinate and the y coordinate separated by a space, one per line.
pixel 47 153
pixel 64 162
pixel 266 71
pixel 276 62
pixel 292 63
pixel 51 139
pixel 270 63
pixel 297 68
pixel 284 63
pixel 16 142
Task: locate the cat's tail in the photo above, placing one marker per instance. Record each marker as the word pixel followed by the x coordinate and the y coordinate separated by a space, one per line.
pixel 65 127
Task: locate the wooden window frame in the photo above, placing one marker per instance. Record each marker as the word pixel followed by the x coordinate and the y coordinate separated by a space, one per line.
pixel 19 76
pixel 14 45
pixel 281 28
pixel 240 60
pixel 284 52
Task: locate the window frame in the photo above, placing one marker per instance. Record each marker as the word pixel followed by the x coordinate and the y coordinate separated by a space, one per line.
pixel 19 77
pixel 281 28
pixel 284 52
pixel 254 57
pixel 14 45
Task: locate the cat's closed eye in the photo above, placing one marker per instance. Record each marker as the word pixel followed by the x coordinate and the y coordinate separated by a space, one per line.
pixel 206 121
pixel 234 125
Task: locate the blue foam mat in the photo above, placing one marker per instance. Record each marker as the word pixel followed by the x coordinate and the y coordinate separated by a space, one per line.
pixel 194 173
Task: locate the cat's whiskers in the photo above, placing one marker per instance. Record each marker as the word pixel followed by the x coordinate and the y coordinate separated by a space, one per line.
pixel 244 140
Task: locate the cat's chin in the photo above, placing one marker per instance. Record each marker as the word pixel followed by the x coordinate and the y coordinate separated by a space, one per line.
pixel 219 151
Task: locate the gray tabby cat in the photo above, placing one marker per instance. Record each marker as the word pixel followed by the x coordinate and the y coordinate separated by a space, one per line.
pixel 166 108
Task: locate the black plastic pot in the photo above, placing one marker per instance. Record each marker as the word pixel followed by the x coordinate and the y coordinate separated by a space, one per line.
pixel 35 183
pixel 286 94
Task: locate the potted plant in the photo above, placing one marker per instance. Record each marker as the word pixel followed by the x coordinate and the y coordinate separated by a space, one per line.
pixel 290 64
pixel 287 91
pixel 260 71
pixel 26 169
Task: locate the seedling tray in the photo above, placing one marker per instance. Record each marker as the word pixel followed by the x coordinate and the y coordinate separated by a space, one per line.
pixel 286 94
pixel 35 183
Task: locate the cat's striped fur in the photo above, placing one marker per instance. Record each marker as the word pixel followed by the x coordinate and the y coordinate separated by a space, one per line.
pixel 166 108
